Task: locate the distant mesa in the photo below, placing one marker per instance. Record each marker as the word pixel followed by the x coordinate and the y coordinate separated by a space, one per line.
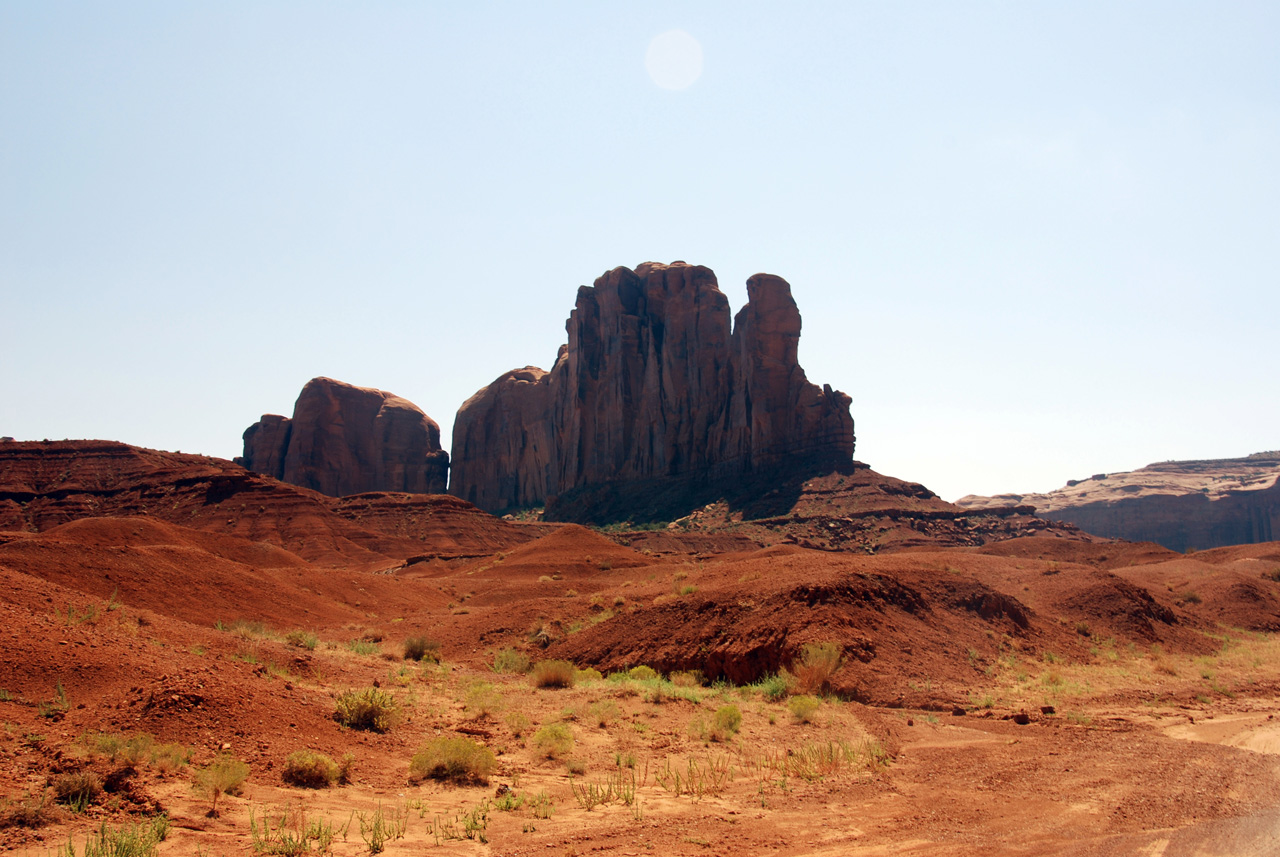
pixel 656 402
pixel 1180 505
pixel 345 440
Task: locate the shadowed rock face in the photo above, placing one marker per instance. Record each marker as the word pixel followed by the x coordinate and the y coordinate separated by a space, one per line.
pixel 345 439
pixel 653 386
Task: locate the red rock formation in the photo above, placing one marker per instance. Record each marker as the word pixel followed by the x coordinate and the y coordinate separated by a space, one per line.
pixel 653 390
pixel 1178 504
pixel 345 440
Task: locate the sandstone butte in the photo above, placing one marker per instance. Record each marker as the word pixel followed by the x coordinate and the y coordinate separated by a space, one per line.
pixel 655 391
pixel 1180 505
pixel 345 440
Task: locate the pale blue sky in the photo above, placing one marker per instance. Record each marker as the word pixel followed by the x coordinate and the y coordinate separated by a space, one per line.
pixel 1033 241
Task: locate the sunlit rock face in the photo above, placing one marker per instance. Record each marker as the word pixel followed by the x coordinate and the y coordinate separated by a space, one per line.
pixel 345 439
pixel 655 388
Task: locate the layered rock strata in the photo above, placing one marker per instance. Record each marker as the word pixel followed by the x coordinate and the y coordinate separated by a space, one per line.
pixel 345 439
pixel 1180 505
pixel 655 388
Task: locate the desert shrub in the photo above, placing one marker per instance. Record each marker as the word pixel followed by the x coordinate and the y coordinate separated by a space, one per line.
pixel 774 688
pixel 139 840
pixel 803 707
pixel 518 723
pixel 687 678
pixel 459 760
pixel 588 675
pixel 554 740
pixel 422 649
pixel 483 699
pixel 77 790
pixel 605 712
pixel 575 767
pixel 309 770
pixel 31 811
pixel 643 673
pixel 510 660
pixel 302 640
pixel 224 775
pixel 363 647
pixel 725 723
pixel 370 709
pixel 818 662
pixel 553 674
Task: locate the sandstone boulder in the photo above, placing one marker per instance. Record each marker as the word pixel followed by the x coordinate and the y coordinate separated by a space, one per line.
pixel 656 392
pixel 345 439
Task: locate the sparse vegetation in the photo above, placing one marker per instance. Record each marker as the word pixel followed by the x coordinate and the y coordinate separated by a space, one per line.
pixel 422 649
pixel 371 709
pixel 509 660
pixel 77 790
pixel 309 770
pixel 803 707
pixel 553 674
pixel 457 760
pixel 817 664
pixel 302 639
pixel 554 740
pixel 224 775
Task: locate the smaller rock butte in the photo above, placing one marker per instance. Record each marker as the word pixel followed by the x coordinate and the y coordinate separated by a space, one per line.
pixel 653 389
pixel 345 440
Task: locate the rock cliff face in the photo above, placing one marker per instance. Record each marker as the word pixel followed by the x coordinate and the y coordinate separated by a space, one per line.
pixel 1177 504
pixel 345 439
pixel 654 389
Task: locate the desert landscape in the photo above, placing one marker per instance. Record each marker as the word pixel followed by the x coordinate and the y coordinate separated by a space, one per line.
pixel 662 610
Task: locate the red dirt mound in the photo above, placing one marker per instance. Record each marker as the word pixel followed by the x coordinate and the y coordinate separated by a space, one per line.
pixel 445 526
pixel 1101 553
pixel 573 547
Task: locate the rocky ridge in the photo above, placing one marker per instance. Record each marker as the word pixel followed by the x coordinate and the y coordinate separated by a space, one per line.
pixel 1180 505
pixel 655 400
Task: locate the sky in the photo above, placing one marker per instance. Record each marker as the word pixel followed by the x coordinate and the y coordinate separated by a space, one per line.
pixel 1033 241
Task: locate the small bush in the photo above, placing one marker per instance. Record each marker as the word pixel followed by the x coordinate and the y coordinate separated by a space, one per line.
pixel 483 699
pixel 588 675
pixel 77 790
pixel 422 649
pixel 518 723
pixel 309 770
pixel 643 673
pixel 302 640
pixel 817 664
pixel 725 723
pixel 689 678
pixel 803 707
pixel 224 775
pixel 370 709
pixel 510 660
pixel 458 760
pixel 774 688
pixel 605 712
pixel 553 674
pixel 554 740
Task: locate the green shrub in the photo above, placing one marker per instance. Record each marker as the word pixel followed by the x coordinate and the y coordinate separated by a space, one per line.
pixel 588 675
pixel 459 760
pixel 803 707
pixel 510 660
pixel 725 723
pixel 643 673
pixel 554 740
pixel 518 723
pixel 370 709
pixel 484 699
pixel 817 664
pixel 309 770
pixel 422 649
pixel 224 775
pixel 605 712
pixel 553 674
pixel 774 688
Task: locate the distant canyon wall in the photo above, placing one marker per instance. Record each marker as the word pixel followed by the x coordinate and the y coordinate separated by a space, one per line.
pixel 1181 505
pixel 654 385
pixel 344 439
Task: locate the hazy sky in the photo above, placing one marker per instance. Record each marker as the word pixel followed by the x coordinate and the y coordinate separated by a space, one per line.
pixel 1033 241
